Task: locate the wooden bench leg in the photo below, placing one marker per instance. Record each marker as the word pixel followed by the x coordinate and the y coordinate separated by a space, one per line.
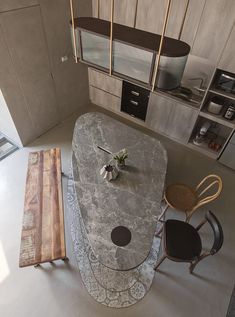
pixel 64 175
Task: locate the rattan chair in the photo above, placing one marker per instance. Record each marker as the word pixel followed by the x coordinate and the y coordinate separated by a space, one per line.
pixel 182 242
pixel 184 198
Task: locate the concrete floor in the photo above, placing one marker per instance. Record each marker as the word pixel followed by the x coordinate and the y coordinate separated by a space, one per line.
pixel 58 290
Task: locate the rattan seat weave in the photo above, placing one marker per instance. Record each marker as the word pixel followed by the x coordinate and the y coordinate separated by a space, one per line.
pixel 181 197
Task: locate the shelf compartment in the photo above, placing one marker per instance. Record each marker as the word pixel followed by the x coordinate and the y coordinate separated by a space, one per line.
pixel 222 93
pixel 203 149
pixel 217 133
pixel 217 118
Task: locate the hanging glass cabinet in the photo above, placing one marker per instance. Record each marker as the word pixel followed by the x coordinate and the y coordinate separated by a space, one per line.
pixel 133 52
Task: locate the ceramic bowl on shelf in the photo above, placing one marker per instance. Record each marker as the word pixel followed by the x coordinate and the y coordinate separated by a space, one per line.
pixel 215 105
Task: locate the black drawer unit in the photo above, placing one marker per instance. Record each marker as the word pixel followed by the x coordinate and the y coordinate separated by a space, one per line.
pixel 134 100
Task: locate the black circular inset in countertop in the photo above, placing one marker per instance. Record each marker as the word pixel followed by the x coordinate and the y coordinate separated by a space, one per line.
pixel 121 236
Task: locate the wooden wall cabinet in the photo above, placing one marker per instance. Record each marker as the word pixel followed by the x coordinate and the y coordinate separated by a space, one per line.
pixel 164 114
pixel 104 99
pixel 227 60
pixel 170 118
pixel 105 82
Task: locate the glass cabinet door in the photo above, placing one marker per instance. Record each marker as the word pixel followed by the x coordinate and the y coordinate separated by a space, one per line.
pixel 132 61
pixel 95 49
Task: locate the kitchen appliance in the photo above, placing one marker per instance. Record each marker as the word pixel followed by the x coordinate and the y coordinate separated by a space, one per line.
pixel 226 82
pixel 215 105
pixel 230 113
pixel 134 100
pixel 200 138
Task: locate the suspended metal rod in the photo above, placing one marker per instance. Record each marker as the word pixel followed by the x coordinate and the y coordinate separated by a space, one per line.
pixel 158 55
pixel 111 38
pixel 73 31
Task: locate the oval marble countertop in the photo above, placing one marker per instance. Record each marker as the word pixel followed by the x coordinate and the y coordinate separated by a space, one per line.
pixel 132 200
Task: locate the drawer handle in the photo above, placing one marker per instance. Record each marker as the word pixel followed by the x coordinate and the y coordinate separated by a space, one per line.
pixel 135 103
pixel 135 93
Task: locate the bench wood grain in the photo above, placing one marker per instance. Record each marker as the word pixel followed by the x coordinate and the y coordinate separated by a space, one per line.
pixel 43 237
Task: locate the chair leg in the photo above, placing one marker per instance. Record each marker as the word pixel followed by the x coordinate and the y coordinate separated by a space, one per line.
pixel 158 233
pixel 192 266
pixel 163 213
pixel 160 262
pixel 201 257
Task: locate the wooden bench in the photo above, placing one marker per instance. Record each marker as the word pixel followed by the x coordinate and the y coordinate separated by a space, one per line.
pixel 43 238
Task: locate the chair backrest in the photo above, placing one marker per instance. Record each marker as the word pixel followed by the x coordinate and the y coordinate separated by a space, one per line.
pixel 218 232
pixel 212 181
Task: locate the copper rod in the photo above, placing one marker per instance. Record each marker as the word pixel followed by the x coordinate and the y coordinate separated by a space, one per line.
pixel 158 55
pixel 111 37
pixel 183 21
pixel 73 29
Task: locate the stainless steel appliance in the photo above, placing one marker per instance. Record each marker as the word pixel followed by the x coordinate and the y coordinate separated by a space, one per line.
pixel 230 113
pixel 226 82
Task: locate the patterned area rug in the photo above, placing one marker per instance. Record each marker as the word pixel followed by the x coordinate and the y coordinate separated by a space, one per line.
pixel 108 287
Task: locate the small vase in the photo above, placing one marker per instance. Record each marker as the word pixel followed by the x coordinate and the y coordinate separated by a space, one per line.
pixel 109 172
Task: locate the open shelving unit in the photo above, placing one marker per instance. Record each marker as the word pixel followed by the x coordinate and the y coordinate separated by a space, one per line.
pixel 220 129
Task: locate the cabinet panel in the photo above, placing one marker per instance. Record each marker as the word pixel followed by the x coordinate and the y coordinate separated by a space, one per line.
pixel 228 156
pixel 124 11
pixel 159 110
pixel 150 16
pixel 23 32
pixel 171 118
pixel 25 38
pixel 7 5
pixel 12 92
pixel 104 9
pixel 95 8
pixel 40 95
pixel 215 26
pixel 105 82
pixel 227 61
pixel 104 99
pixel 181 122
pixel 192 20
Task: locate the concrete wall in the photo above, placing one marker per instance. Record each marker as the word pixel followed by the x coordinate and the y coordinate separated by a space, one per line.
pixel 40 90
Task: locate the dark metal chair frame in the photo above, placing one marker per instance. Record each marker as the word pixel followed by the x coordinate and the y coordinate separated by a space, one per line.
pixel 218 242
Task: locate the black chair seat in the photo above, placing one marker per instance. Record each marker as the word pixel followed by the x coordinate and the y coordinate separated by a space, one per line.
pixel 182 240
